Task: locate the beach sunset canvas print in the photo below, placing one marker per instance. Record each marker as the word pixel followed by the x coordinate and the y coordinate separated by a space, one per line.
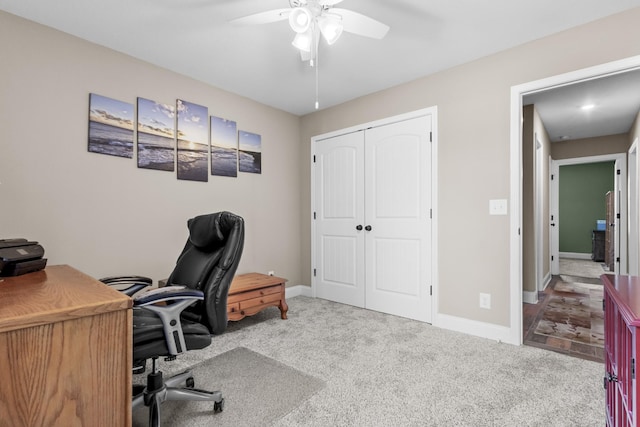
pixel 156 135
pixel 250 152
pixel 193 145
pixel 110 126
pixel 224 147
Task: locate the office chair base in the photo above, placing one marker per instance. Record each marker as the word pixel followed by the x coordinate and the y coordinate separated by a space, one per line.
pixel 158 391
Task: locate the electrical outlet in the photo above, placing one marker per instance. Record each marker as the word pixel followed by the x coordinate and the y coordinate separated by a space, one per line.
pixel 271 273
pixel 498 207
pixel 485 301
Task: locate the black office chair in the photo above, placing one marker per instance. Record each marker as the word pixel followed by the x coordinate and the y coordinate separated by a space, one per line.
pixel 194 306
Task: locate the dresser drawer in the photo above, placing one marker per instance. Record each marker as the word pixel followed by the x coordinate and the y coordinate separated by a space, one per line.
pixel 233 307
pixel 243 296
pixel 260 300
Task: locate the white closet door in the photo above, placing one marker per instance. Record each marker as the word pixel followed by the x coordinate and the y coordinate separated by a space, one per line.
pixel 339 246
pixel 397 208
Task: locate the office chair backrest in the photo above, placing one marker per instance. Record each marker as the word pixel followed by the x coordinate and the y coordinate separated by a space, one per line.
pixel 208 262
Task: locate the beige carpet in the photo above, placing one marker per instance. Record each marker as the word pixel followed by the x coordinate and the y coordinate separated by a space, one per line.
pixel 382 370
pixel 257 391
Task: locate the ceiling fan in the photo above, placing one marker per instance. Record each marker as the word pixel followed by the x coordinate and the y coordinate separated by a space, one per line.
pixel 311 18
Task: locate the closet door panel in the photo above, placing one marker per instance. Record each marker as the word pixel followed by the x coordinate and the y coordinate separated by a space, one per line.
pixel 397 208
pixel 339 206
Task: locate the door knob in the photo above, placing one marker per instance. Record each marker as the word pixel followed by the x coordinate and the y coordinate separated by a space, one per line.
pixel 368 228
pixel 358 227
pixel 552 224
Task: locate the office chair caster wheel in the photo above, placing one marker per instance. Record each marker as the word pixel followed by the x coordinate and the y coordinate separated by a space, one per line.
pixel 190 382
pixel 218 406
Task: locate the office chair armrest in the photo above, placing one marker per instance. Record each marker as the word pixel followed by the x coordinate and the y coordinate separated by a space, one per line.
pixel 126 279
pixel 178 298
pixel 169 294
pixel 133 283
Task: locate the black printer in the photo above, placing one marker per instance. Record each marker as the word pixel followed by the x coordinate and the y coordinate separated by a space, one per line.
pixel 20 256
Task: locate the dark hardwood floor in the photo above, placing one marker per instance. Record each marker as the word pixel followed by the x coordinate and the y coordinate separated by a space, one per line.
pixel 531 314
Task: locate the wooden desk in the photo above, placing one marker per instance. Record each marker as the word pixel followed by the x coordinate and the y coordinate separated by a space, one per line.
pixel 65 351
pixel 252 292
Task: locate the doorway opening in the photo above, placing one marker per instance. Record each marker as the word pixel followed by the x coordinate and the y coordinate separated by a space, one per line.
pixel 516 176
pixel 566 316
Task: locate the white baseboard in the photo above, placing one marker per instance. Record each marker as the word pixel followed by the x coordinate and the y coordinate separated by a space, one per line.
pixel 547 280
pixel 530 297
pixel 294 291
pixel 478 329
pixel 575 255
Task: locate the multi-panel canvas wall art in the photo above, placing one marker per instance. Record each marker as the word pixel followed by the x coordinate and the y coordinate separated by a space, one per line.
pixel 193 145
pixel 182 138
pixel 156 135
pixel 110 126
pixel 250 152
pixel 224 147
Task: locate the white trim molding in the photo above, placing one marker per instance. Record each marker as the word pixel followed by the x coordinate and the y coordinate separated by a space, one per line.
pixel 477 328
pixel 575 255
pixel 530 297
pixel 298 290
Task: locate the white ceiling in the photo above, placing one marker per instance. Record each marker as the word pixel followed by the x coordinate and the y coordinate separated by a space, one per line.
pixel 194 38
pixel 615 100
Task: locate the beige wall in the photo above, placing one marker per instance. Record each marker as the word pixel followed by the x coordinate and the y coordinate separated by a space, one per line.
pixel 473 103
pixel 102 214
pixel 586 147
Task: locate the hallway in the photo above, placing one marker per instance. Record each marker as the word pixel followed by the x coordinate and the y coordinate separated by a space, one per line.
pixel 568 317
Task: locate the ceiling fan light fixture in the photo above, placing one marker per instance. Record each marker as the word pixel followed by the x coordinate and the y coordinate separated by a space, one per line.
pixel 300 19
pixel 331 27
pixel 302 41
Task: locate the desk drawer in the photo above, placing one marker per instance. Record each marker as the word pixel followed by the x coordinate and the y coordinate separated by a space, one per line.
pixel 261 300
pixel 243 296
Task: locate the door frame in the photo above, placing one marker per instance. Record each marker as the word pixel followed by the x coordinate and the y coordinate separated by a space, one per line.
pixel 620 186
pixel 539 220
pixel 633 208
pixel 515 166
pixel 433 112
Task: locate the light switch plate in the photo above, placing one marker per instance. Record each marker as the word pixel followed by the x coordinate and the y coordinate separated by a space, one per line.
pixel 498 207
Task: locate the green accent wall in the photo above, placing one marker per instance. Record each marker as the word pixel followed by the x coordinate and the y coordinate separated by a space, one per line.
pixel 582 202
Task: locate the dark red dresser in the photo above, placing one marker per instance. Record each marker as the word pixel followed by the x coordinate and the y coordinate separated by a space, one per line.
pixel 621 348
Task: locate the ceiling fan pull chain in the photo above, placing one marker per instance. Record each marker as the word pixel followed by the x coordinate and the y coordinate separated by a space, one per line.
pixel 317 103
pixel 316 65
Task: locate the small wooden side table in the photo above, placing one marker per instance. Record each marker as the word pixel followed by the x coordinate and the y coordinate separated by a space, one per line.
pixel 250 293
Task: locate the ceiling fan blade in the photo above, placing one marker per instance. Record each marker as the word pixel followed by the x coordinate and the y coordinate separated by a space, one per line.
pixel 360 24
pixel 329 2
pixel 262 17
